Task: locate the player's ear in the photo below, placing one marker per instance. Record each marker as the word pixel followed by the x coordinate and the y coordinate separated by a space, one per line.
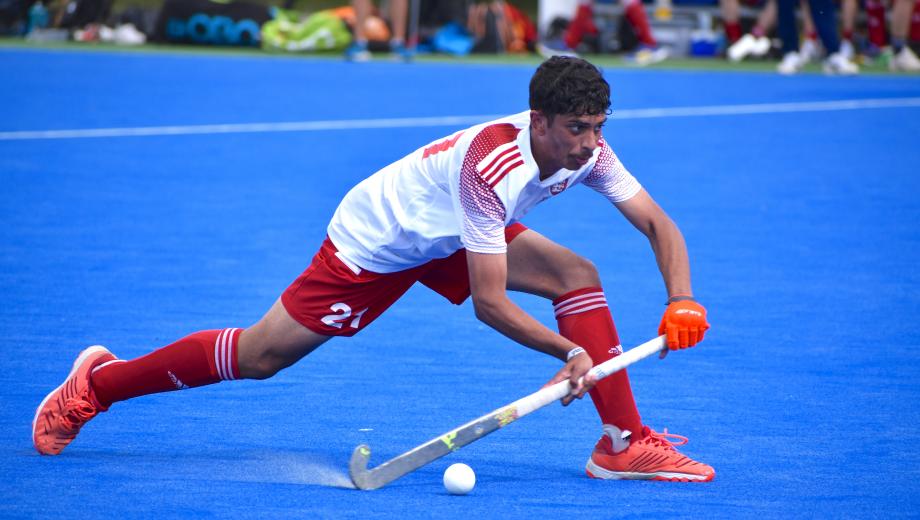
pixel 538 122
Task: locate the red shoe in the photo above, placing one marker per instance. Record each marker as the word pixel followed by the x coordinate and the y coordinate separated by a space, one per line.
pixel 61 415
pixel 652 458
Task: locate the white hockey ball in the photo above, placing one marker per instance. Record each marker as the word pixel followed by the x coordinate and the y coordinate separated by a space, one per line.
pixel 459 479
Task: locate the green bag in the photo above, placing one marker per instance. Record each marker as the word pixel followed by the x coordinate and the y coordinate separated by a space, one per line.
pixel 320 32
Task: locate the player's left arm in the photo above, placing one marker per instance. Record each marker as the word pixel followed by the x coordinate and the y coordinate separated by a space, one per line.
pixel 684 321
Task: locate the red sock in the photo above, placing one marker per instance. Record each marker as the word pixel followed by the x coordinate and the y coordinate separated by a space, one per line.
pixel 733 31
pixel 875 11
pixel 581 25
pixel 201 359
pixel 585 320
pixel 811 35
pixel 635 13
pixel 915 23
pixel 848 35
pixel 758 32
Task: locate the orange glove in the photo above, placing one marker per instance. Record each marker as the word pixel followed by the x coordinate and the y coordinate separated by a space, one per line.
pixel 684 322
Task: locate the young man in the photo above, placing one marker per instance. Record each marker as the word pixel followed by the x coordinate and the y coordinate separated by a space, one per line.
pixel 447 216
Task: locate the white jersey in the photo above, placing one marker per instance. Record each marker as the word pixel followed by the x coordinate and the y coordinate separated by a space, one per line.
pixel 459 192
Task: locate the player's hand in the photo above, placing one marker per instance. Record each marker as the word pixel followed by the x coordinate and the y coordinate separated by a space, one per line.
pixel 685 324
pixel 575 369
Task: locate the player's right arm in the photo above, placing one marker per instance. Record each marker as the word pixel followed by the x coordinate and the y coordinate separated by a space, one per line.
pixel 483 232
pixel 488 279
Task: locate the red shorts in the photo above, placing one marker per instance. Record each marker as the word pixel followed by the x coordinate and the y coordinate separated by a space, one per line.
pixel 330 299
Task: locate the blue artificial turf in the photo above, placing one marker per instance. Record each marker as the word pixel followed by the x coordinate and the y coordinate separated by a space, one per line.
pixel 803 231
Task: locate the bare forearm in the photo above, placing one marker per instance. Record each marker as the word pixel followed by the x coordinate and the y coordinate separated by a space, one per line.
pixel 667 241
pixel 504 316
pixel 488 280
pixel 671 254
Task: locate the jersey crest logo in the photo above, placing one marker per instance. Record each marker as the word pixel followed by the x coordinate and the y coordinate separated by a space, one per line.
pixel 559 187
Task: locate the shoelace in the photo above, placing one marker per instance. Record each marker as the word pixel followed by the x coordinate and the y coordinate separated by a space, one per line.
pixel 77 410
pixel 661 439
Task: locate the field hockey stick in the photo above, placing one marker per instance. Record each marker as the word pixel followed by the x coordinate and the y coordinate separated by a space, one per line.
pixel 453 440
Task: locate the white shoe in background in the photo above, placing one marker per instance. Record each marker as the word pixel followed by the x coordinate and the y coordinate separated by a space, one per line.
pixel 127 34
pixel 905 60
pixel 837 64
pixel 741 48
pixel 792 64
pixel 748 45
pixel 761 47
pixel 847 49
pixel 810 51
pixel 106 34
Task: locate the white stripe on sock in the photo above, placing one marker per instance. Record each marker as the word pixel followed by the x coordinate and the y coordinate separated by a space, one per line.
pixel 224 347
pixel 583 309
pixel 217 363
pixel 230 354
pixel 576 298
pixel 570 308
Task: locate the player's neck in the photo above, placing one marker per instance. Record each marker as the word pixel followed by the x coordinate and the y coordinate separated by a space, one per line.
pixel 545 162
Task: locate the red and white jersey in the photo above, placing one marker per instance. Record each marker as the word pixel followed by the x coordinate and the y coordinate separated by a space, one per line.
pixel 459 192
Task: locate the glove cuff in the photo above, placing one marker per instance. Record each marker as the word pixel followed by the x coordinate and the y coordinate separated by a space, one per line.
pixel 679 298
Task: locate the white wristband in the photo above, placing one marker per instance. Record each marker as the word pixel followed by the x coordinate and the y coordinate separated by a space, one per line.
pixel 574 352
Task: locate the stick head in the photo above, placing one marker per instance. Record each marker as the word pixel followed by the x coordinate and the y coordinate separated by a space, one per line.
pixel 357 468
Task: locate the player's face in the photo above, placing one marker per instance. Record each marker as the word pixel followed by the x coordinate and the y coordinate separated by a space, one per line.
pixel 572 139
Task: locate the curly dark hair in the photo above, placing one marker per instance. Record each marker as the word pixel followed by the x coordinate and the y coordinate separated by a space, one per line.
pixel 568 86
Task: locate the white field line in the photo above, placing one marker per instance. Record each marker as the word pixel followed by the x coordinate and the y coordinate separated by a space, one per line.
pixel 358 124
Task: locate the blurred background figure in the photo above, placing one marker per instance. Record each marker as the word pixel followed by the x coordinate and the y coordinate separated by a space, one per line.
pixel 648 52
pixel 398 13
pixel 902 58
pixel 825 24
pixel 757 44
pixel 848 10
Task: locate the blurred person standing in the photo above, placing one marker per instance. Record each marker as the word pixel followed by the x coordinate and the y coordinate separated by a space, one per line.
pixel 825 21
pixel 648 52
pixel 757 44
pixel 902 58
pixel 398 13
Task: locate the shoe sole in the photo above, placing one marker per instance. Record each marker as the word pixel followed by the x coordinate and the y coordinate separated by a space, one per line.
pixel 76 365
pixel 595 471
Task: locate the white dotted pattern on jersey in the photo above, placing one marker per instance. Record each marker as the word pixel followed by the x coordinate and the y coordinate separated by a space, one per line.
pixel 483 211
pixel 610 178
pixel 483 216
